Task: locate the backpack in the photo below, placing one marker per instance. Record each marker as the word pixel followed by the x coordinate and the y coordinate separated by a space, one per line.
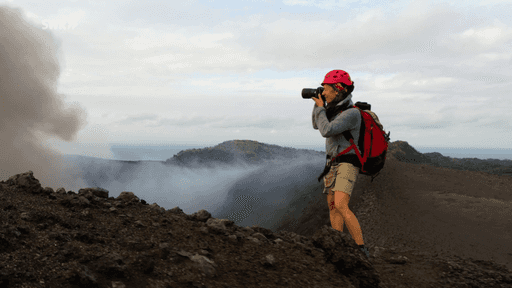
pixel 372 141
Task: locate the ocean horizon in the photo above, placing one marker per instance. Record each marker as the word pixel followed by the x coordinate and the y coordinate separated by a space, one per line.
pixel 158 152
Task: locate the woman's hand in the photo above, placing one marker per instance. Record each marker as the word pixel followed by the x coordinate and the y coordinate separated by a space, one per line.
pixel 318 101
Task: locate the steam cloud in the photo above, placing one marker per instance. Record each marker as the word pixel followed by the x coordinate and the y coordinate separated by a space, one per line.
pixel 32 111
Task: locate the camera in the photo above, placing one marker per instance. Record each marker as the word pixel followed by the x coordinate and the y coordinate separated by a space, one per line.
pixel 308 93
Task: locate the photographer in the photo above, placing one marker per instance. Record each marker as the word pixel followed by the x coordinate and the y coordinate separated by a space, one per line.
pixel 340 180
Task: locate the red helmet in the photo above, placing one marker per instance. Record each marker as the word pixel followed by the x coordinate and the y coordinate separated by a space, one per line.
pixel 337 76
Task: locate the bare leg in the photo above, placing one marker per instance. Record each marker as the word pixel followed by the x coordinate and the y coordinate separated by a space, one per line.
pixel 336 216
pixel 353 227
pixel 341 200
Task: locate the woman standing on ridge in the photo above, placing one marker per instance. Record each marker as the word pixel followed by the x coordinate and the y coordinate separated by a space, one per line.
pixel 340 180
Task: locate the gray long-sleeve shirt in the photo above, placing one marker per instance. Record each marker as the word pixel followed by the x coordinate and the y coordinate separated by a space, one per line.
pixel 347 120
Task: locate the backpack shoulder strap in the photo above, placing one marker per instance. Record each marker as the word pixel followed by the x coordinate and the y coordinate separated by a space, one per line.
pixel 347 133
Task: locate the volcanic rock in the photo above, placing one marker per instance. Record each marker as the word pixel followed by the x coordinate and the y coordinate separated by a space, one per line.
pixel 51 239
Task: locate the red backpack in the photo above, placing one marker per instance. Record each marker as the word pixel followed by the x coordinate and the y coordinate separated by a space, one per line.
pixel 372 141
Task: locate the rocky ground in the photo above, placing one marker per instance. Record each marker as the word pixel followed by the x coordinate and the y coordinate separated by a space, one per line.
pixel 87 239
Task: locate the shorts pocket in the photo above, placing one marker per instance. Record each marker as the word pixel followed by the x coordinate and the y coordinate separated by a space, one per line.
pixel 347 171
pixel 330 178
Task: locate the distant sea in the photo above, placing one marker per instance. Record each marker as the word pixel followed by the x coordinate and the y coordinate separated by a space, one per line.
pixel 161 153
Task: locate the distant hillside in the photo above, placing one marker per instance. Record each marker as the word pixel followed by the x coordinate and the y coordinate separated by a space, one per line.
pixel 230 152
pixel 404 152
pixel 254 152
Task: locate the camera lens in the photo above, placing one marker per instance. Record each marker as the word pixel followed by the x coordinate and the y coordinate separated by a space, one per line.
pixel 308 93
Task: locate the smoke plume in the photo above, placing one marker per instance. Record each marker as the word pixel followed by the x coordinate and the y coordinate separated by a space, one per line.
pixel 31 109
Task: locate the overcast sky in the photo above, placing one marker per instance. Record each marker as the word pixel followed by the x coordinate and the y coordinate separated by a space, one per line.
pixel 437 73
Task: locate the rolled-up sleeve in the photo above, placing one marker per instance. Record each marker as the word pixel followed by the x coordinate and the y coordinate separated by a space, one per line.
pixel 341 123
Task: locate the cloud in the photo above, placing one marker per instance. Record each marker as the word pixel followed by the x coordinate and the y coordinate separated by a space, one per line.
pixel 370 15
pixel 209 121
pixel 416 59
pixel 323 4
pixel 149 39
pixel 484 38
pixel 494 2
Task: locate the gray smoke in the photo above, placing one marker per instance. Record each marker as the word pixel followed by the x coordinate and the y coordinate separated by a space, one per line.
pixel 32 111
pixel 247 194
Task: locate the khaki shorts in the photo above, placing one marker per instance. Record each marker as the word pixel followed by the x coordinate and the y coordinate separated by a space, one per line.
pixel 341 177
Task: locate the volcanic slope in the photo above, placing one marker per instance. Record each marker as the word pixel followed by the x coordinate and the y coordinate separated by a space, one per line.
pixel 64 239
